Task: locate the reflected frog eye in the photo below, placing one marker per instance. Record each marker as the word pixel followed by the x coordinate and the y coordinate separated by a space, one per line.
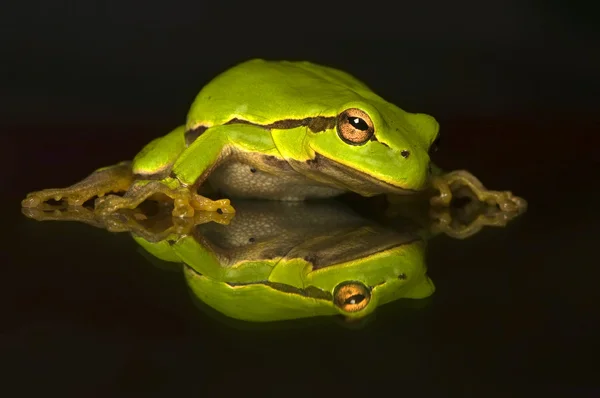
pixel 355 127
pixel 351 296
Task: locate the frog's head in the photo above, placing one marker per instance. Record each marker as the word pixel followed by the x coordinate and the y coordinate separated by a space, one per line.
pixel 375 147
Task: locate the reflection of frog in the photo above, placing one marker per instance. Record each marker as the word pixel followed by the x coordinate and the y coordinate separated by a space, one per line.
pixel 278 130
pixel 288 260
pixel 285 260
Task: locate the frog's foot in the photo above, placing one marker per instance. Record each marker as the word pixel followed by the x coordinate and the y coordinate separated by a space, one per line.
pixel 176 228
pixel 115 178
pixel 446 225
pixel 185 202
pixel 448 183
pixel 156 228
pixel 203 217
pixel 116 222
pixel 469 219
pixel 202 203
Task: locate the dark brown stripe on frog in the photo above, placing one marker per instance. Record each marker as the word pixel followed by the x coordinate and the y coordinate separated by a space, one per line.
pixel 315 124
pixel 373 138
pixel 159 175
pixel 309 291
pixel 193 134
pixel 276 162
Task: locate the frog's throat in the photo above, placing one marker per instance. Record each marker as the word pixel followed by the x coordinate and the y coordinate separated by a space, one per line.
pixel 346 175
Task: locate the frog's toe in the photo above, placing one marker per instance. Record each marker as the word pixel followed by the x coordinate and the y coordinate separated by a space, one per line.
pixel 99 202
pixel 107 205
pixel 32 212
pixel 439 200
pixel 183 209
pixel 514 204
pixel 76 200
pixel 31 201
pixel 520 203
pixel 202 203
pixel 224 206
pixel 507 206
pixel 509 203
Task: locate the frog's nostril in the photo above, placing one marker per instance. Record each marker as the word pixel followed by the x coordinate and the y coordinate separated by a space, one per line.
pixel 405 153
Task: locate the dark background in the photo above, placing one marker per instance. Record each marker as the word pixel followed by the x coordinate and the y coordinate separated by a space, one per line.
pixel 515 86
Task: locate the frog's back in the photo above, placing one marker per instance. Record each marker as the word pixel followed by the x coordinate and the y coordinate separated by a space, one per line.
pixel 261 91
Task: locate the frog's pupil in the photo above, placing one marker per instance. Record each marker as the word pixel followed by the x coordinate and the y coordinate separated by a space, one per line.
pixel 358 123
pixel 356 299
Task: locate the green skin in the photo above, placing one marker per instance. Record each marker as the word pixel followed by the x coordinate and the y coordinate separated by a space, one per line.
pixel 273 128
pixel 295 261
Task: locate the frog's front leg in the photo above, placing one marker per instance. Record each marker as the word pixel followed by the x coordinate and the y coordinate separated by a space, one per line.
pixel 185 201
pixel 450 182
pixel 117 178
pixel 191 168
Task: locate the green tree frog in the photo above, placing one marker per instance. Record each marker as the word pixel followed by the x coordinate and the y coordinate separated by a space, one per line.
pixel 275 130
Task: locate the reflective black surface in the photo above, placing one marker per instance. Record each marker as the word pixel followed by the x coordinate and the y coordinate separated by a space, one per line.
pixel 516 308
pixel 83 308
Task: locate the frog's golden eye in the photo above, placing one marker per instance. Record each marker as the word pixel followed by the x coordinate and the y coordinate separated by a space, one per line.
pixel 355 127
pixel 351 296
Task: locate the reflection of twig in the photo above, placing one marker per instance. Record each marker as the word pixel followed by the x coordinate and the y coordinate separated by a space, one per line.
pixel 153 226
pixel 460 209
pixel 63 213
pixel 469 216
pixel 445 223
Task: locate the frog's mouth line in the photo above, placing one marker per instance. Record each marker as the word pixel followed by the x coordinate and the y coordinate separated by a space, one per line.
pixel 349 176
